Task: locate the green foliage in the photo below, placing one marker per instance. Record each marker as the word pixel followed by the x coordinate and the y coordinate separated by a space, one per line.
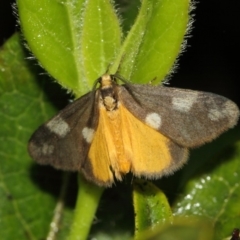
pixel 76 42
pixel 215 193
pixel 151 207
pixel 154 41
pixel 181 228
pixel 25 210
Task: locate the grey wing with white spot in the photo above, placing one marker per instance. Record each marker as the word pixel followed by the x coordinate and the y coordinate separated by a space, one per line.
pixel 64 140
pixel 190 118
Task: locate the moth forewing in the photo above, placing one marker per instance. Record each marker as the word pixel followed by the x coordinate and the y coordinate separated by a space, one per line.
pixel 190 118
pixel 64 140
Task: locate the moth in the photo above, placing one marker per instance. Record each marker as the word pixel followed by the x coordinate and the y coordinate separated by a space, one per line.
pixel 143 129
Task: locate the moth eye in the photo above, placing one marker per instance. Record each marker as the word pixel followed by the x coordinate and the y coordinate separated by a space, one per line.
pixel 58 126
pixel 88 134
pixel 153 120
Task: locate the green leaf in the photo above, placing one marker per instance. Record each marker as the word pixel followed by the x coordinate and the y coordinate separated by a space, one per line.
pixel 154 42
pixel 151 207
pixel 75 41
pixel 181 228
pixel 27 200
pixel 215 192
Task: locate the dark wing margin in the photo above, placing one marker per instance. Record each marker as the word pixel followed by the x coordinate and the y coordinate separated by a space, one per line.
pixel 62 142
pixel 190 118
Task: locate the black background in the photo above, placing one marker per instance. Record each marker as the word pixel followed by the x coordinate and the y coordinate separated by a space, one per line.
pixel 211 60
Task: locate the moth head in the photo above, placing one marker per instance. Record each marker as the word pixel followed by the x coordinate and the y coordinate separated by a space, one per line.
pixel 107 81
pixel 108 92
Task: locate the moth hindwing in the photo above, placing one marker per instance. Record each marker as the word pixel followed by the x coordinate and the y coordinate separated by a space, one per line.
pixel 142 129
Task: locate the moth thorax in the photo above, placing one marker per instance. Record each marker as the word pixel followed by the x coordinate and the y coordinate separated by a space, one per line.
pixel 110 103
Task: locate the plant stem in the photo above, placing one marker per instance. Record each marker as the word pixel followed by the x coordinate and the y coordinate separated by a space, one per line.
pixel 86 205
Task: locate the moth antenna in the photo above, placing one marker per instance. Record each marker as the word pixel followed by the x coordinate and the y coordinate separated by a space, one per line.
pixel 127 85
pixel 153 80
pixel 124 80
pixel 96 83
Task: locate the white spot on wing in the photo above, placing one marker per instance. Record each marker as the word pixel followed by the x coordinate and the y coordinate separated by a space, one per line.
pixel 58 126
pixel 185 102
pixel 47 149
pixel 88 134
pixel 215 114
pixel 38 150
pixel 153 120
pixel 229 110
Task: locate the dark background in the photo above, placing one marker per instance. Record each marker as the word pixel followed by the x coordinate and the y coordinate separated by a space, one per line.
pixel 211 60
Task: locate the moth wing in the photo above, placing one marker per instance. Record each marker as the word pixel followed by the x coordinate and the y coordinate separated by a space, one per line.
pixel 151 159
pixel 190 118
pixel 63 141
pixel 100 165
pixel 150 153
